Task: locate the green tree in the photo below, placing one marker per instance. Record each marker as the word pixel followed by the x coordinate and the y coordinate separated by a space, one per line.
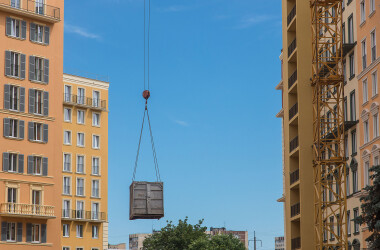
pixel 175 237
pixel 371 209
pixel 218 242
pixel 185 236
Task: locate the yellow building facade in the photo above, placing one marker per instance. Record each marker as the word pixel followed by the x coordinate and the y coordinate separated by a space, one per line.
pixel 85 164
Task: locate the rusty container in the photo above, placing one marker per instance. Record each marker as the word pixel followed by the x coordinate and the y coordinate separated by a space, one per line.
pixel 146 200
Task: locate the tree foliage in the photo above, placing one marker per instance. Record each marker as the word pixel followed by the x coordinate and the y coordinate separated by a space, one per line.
pixel 185 236
pixel 371 209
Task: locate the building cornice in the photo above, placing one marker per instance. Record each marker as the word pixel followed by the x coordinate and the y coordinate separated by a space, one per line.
pixel 369 68
pixel 85 81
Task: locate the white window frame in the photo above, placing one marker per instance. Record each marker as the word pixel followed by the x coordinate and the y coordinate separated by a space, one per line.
pixel 63 185
pixel 14 128
pixel 93 120
pixel 69 112
pixel 34 240
pixel 375 119
pixel 64 209
pixel 95 101
pixel 365 91
pixel 366 173
pixel 364 54
pixel 11 234
pixel 65 230
pixel 373 45
pixel 77 186
pixel 14 23
pixel 374 80
pixel 77 164
pixel 372 7
pixel 78 139
pixel 68 95
pixel 64 137
pixel 79 233
pixel 13 163
pixel 95 235
pixel 83 208
pixel 64 163
pixel 362 12
pixel 93 188
pixel 93 141
pixel 15 61
pixel 83 112
pixel 92 165
pixel 81 99
pixel 366 131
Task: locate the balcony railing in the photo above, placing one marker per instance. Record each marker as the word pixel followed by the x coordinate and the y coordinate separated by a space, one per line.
pixel 296 243
pixel 293 111
pixel 93 103
pixel 291 15
pixel 83 215
pixel 295 210
pixel 294 176
pixel 292 47
pixel 293 144
pixel 36 8
pixel 26 210
pixel 292 79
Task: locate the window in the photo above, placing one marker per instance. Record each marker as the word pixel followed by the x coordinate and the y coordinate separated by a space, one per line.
pixel 344 73
pixel 12 199
pixel 331 196
pixel 80 164
pixel 37 136
pixel 364 54
pixel 338 227
pixel 95 98
pixel 12 161
pixel 36 233
pixel 351 29
pixel 67 114
pixel 66 209
pixel 376 161
pixel 352 65
pixel 345 109
pixel 95 211
pixel 39 33
pixel 66 248
pixel 11 231
pixel 80 117
pixel 80 210
pixel 375 125
pixel 95 119
pixel 66 230
pixel 14 98
pixel 366 132
pixel 371 6
pixel 374 83
pixel 95 165
pixel 95 188
pixel 373 45
pixel 37 165
pixel 347 183
pixel 81 96
pixel 346 146
pixel 325 231
pixel 79 231
pixel 328 116
pixel 67 162
pixel 352 106
pixel 95 232
pixel 15 69
pixel 80 139
pixel 354 181
pixel 15 3
pixel 66 185
pixel 356 225
pixel 13 128
pixel 80 187
pixel 332 228
pixel 362 11
pixel 79 248
pixel 96 141
pixel 39 69
pixel 353 141
pixel 38 102
pixel 67 137
pixel 348 223
pixel 366 173
pixel 67 94
pixel 39 7
pixel 14 27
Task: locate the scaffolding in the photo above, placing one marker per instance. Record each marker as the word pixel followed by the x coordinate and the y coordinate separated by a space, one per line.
pixel 328 125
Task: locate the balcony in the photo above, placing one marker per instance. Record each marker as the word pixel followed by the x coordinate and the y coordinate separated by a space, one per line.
pixel 347 47
pixel 292 79
pixel 293 111
pixel 26 210
pixel 296 243
pixel 292 47
pixel 294 176
pixel 293 144
pixel 32 9
pixel 85 102
pixel 81 215
pixel 291 15
pixel 295 210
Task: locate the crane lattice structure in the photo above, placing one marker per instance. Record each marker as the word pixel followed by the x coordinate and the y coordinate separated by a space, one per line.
pixel 328 125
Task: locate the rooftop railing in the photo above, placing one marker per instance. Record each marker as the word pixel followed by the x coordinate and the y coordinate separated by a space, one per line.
pixel 33 7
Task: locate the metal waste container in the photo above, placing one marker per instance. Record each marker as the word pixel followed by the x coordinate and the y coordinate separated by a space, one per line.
pixel 146 200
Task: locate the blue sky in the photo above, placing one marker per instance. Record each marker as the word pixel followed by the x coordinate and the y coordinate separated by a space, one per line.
pixel 214 66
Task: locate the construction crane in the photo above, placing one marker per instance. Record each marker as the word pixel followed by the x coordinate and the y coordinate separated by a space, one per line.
pixel 328 139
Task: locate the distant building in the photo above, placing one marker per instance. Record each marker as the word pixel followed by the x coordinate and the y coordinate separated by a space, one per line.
pixel 136 241
pixel 241 235
pixel 120 246
pixel 279 243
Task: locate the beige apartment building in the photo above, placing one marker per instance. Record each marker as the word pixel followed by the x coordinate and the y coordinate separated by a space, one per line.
pixel 296 114
pixel 85 164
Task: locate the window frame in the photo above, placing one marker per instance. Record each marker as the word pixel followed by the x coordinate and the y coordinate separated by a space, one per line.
pixel 70 114
pixel 69 186
pixel 70 137
pixel 78 139
pixel 93 141
pixel 83 112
